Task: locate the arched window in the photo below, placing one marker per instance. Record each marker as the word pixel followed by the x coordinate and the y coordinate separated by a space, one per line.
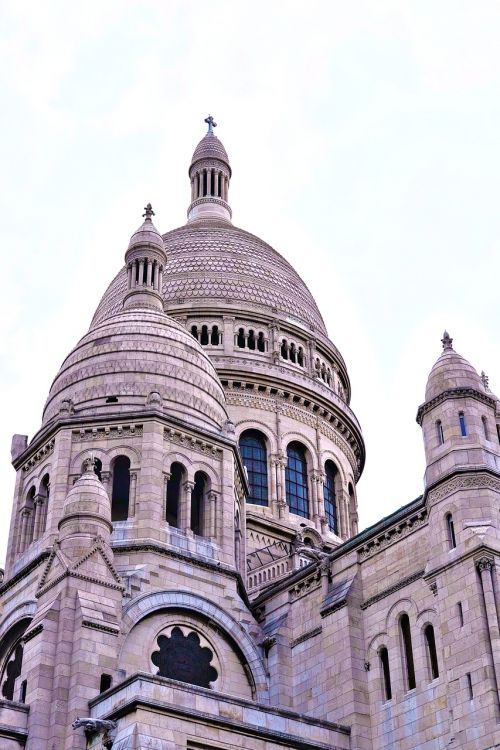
pixel 214 337
pixel 204 336
pixel 197 502
pixel 98 468
pixel 261 344
pixel 284 349
pixel 386 673
pixel 463 426
pixel 329 495
pixel 439 431
pixel 297 494
pixel 450 528
pixel 241 338
pixel 430 647
pixel 404 625
pixel 121 489
pixel 251 339
pixel 254 455
pixel 485 428
pixel 41 506
pixel 194 332
pixel 173 494
pixel 293 353
pixel 12 688
pixel 300 356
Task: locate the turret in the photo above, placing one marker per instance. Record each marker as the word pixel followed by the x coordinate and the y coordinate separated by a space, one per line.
pixel 145 260
pixel 210 174
pixel 458 418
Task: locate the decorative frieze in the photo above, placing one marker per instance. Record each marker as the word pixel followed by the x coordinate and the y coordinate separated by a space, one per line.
pixel 182 438
pixel 476 481
pixel 306 585
pixel 306 636
pixel 394 534
pixel 392 589
pixel 107 432
pixel 39 456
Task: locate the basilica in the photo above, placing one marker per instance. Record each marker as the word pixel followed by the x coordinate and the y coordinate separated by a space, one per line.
pixel 185 569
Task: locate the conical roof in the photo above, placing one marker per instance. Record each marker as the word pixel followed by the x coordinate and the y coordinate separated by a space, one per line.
pixel 451 371
pixel 210 147
pixel 147 234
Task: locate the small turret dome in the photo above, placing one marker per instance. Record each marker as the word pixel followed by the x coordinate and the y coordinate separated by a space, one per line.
pixel 451 371
pixel 147 234
pixel 86 502
pixel 210 147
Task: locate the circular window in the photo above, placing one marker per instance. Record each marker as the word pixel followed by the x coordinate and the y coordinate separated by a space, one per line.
pixel 183 654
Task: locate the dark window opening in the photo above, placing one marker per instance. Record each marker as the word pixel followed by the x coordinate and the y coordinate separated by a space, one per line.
pixel 469 686
pixel 105 682
pixel 204 336
pixel 498 432
pixel 121 489
pixel 197 498
pixel 485 428
pixel 284 349
pixel 251 340
pixel 214 337
pixel 386 674
pixel 430 643
pixel 136 271
pixel 463 427
pixel 254 455
pixel 460 614
pixel 451 531
pixel 261 344
pixel 297 494
pixel 182 657
pixel 241 338
pixel 300 357
pixel 194 332
pixel 22 691
pixel 440 433
pixel 112 400
pixel 98 468
pixel 329 495
pixel 12 672
pixel 404 624
pixel 173 494
pixel 204 182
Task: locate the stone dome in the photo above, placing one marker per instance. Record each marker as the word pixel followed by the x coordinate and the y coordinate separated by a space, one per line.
pixel 219 263
pixel 147 234
pixel 137 359
pixel 451 371
pixel 87 497
pixel 210 147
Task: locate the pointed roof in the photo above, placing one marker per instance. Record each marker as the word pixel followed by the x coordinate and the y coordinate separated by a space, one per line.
pixel 450 371
pixel 147 234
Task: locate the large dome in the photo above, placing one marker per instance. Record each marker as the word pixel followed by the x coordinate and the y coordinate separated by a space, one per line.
pixel 220 263
pixel 135 358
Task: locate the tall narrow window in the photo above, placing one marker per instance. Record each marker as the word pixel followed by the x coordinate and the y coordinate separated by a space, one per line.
pixel 463 426
pixel 173 494
pixel 386 673
pixel 329 495
pixel 440 433
pixel 469 686
pixel 121 489
pixel 204 336
pixel 197 503
pixel 450 527
pixel 404 624
pixel 254 455
pixel 98 468
pixel 485 428
pixel 241 338
pixel 297 494
pixel 430 647
pixel 261 344
pixel 300 356
pixel 460 611
pixel 214 337
pixel 251 339
pixel 293 353
pixel 284 349
pixel 194 332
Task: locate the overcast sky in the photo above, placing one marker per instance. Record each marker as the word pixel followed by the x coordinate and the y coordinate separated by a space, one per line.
pixel 364 142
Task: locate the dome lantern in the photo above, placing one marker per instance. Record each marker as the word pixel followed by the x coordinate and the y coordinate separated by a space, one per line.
pixel 145 260
pixel 209 174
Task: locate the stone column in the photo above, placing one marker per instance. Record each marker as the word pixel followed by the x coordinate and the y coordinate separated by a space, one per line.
pixel 273 491
pixel 485 566
pixel 132 494
pixel 149 277
pixel 39 513
pixel 212 515
pixel 23 529
pixel 216 183
pixel 282 506
pixel 185 507
pixel 166 477
pixel 141 272
pixel 129 270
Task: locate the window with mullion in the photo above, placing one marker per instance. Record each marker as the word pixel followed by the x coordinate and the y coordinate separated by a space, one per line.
pixel 297 494
pixel 329 496
pixel 254 455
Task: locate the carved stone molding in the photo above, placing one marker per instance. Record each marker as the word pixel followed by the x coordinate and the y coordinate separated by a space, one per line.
pixel 39 456
pixel 107 432
pixel 306 585
pixel 188 441
pixel 485 562
pixel 454 393
pixel 463 482
pixel 394 534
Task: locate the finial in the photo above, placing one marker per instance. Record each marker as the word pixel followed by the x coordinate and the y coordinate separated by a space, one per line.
pixel 447 341
pixel 486 380
pixel 148 212
pixel 211 124
pixel 89 463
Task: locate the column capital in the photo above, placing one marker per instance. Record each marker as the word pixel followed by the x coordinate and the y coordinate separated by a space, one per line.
pixel 485 562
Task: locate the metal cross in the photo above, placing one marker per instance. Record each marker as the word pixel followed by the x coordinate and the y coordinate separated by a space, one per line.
pixel 148 212
pixel 447 341
pixel 211 123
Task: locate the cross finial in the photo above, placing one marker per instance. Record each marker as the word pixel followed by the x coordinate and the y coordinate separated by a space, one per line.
pixel 148 212
pixel 486 380
pixel 211 124
pixel 447 341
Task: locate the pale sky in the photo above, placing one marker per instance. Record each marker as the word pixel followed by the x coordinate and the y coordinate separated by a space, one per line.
pixel 364 142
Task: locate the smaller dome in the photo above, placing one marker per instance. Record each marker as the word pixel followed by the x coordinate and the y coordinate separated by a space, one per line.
pixel 147 234
pixel 87 498
pixel 210 148
pixel 451 371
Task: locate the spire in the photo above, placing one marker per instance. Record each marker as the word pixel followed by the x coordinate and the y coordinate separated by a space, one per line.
pixel 145 260
pixel 210 174
pixel 447 342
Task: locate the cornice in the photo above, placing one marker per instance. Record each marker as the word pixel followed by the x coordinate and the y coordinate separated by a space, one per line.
pixel 450 394
pixel 464 480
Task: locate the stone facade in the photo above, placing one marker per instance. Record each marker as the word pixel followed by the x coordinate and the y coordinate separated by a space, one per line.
pixel 184 569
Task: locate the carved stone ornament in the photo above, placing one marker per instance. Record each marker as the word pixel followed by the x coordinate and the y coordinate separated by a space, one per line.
pixel 92 727
pixel 484 563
